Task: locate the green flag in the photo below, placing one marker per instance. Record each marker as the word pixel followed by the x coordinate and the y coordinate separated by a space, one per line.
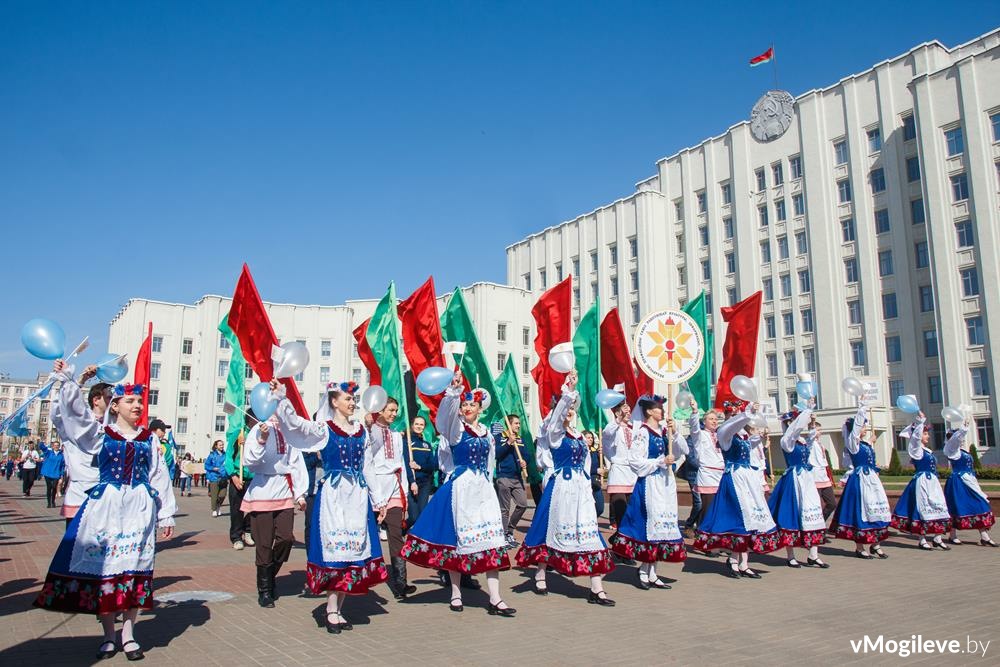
pixel 700 384
pixel 587 348
pixel 383 339
pixel 235 394
pixel 509 393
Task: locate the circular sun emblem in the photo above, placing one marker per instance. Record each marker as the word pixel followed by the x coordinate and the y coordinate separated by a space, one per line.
pixel 669 346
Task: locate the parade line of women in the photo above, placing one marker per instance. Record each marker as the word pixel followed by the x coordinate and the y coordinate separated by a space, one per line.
pixel 104 564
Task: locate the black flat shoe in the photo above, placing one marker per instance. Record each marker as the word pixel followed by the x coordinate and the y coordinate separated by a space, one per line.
pixel 732 573
pixel 794 563
pixel 495 610
pixel 134 654
pixel 954 540
pixel 988 543
pixel 539 590
pixel 659 583
pixel 104 653
pixel 817 563
pixel 881 554
pixel 862 554
pixel 749 574
pixel 346 625
pixel 332 628
pixel 595 598
pixel 456 607
pixel 644 585
pixel 942 546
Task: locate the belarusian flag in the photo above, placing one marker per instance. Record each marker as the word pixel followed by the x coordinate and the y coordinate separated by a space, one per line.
pixel 382 336
pixel 457 326
pixel 587 348
pixel 509 394
pixel 739 353
pixel 700 384
pixel 765 57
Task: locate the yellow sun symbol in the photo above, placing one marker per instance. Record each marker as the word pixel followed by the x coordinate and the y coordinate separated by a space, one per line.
pixel 669 350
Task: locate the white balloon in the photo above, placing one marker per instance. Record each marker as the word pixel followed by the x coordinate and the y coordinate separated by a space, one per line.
pixel 758 420
pixel 294 359
pixel 744 388
pixel 561 358
pixel 683 400
pixel 373 399
pixel 853 386
pixel 951 414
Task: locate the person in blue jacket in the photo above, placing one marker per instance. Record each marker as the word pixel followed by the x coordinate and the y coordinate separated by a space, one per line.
pixel 420 471
pixel 53 468
pixel 215 474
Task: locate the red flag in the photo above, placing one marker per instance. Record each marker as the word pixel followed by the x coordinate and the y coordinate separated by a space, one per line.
pixel 143 372
pixel 423 343
pixel 616 357
pixel 765 57
pixel 249 321
pixel 553 319
pixel 366 354
pixel 739 354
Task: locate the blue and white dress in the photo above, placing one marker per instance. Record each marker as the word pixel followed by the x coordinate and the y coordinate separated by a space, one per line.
pixel 460 529
pixel 104 563
pixel 968 506
pixel 564 533
pixel 344 554
pixel 921 508
pixel 862 514
pixel 649 532
pixel 794 503
pixel 738 518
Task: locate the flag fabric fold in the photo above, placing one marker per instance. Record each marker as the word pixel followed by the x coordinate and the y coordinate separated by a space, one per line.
pixel 365 353
pixel 457 326
pixel 382 338
pixel 765 57
pixel 587 349
pixel 700 384
pixel 617 366
pixel 235 383
pixel 143 372
pixel 553 315
pixel 423 343
pixel 739 353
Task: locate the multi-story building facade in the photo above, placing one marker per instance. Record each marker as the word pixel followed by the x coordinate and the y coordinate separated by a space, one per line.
pixel 13 391
pixel 870 225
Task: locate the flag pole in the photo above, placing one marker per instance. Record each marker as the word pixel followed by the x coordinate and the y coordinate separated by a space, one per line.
pixel 774 67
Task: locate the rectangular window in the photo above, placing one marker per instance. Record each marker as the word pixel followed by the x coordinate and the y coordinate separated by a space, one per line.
pixel 851 269
pixel 593 291
pixel 154 372
pixel 728 228
pixel 877 180
pixel 157 343
pixel 874 140
pixel 679 209
pixel 934 389
pixel 220 423
pixel 798 205
pixel 300 376
pixel 634 281
pixel 730 263
pixel 502 332
pixel 769 327
pixel 858 357
pixel 680 244
pixel 985 433
pixel 786 284
pixel 963 230
pixel 731 295
pixel 809 359
pixel 576 267
pixel 706 270
pixel 249 372
pixel 525 364
pixel 840 153
pixel 762 215
pixel 917 211
pixel 187 346
pixel 847 229
pixel 795 167
pixel 703 235
pixel 772 365
pixel 995 124
pixel 926 298
pixel 527 282
pixel 893 349
pixel 182 425
pixel 576 296
pixel 220 395
pixel 882 221
pixel 223 368
pixel 681 276
pixel 526 335
pixel 844 191
pixel 909 128
pixel 980 381
pixel 896 388
pixel 324 374
pixel 613 250
pixel 182 399
pixel 614 287
pixel 890 309
pixel 790 368
pixel 325 348
pixel 777 173
pixel 954 141
pixel 185 373
pixel 702 201
pixel 779 210
pixel 633 248
pixel 787 324
pixel 154 396
pixel 885 263
pixel 807 320
pixel 635 311
pixel 930 343
pixel 761 180
pixel 959 187
pixel 543 282
pixel 727 193
pixel 526 394
pixel 912 169
pixel 559 273
pixel 854 311
pixel 501 360
pixel 765 252
pixel 974 329
pixel 223 343
pixel 921 255
pixel 801 245
pixel 805 282
pixel 768 289
pixel 970 281
pixel 356 375
pixel 782 247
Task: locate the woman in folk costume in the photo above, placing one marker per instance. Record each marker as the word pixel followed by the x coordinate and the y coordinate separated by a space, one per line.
pixel 460 530
pixel 388 491
pixel 967 504
pixel 921 508
pixel 704 447
pixel 344 556
pixel 738 518
pixel 795 503
pixel 104 564
pixel 862 514
pixel 617 441
pixel 649 532
pixel 564 533
pixel 280 483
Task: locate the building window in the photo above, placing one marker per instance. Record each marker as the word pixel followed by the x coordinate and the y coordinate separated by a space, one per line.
pixel 889 307
pixel 974 329
pixel 633 248
pixel 324 374
pixel 576 296
pixel 593 291
pixel 844 191
pixel 728 228
pixel 185 373
pixel 768 289
pixel 807 320
pixel 912 169
pixel 356 375
pixel 934 389
pixel 157 343
pixel 681 276
pixel 980 381
pixel 954 141
pixel 526 394
pixel 959 187
pixel 703 235
pixel 874 140
pixel 779 210
pixel 801 246
pixel 985 433
pixel 679 209
pixel 926 298
pixel 220 423
pixel 182 426
pixel 854 311
pixel 708 302
pixel 805 283
pixel 798 205
pixel 882 221
pixel 634 279
pixel 731 295
pixel 787 324
pixel 613 251
pixel 502 332
pixel 249 372
pixel 525 364
pixel 909 128
pixel 593 261
pixel 543 282
pixel 527 281
pixel 299 377
pixel 614 287
pixel 702 201
pixel 325 348
pixel 858 353
pixel 848 230
pixel 790 368
pixel 840 152
pixel 885 263
pixel 921 255
pixel 769 328
pixel 995 123
pixel 526 335
pixel 970 281
pixel 730 263
pixel 930 343
pixel 706 270
pixel 501 360
pixel 761 180
pixel 224 343
pixel 220 395
pixel 154 373
pixel 777 173
pixel 187 346
pixel 576 267
pixel 762 215
pixel 680 244
pixel 782 247
pixel 223 368
pixel 154 396
pixel 635 313
pixel 182 399
pixel 809 359
pixel 893 349
pixel 765 252
pixel 877 180
pixel 795 167
pixel 851 270
pixel 559 273
pixel 965 236
pixel 896 389
pixel 917 211
pixel 772 365
pixel 786 285
pixel 727 193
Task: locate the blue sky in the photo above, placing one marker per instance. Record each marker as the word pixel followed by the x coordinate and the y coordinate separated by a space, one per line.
pixel 148 149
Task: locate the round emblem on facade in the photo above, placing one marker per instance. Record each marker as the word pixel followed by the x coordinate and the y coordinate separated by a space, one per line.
pixel 772 115
pixel 669 346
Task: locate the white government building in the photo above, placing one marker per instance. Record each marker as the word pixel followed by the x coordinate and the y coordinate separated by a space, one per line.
pixel 870 224
pixel 866 211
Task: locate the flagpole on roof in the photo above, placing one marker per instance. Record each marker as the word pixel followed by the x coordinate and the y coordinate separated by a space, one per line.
pixel 774 67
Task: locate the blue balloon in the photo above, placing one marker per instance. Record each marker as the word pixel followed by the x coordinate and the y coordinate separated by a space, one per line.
pixel 608 398
pixel 261 402
pixel 805 389
pixel 434 380
pixel 43 338
pixel 907 404
pixel 112 373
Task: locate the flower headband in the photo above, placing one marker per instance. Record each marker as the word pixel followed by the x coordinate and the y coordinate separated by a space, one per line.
pixel 477 395
pixel 346 387
pixel 122 389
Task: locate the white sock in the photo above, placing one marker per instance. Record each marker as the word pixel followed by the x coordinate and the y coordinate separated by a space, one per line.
pixel 744 560
pixel 493 586
pixel 983 535
pixel 540 576
pixel 814 552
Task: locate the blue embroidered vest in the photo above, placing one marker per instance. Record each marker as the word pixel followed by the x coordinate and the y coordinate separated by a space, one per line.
pixel 570 456
pixel 344 454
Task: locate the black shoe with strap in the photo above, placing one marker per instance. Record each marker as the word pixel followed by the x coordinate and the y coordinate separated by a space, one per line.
pixel 600 599
pixel 333 627
pixel 987 543
pixel 456 607
pixel 877 550
pixel 134 653
pixel 107 650
pixel 749 574
pixel 495 610
pixel 816 562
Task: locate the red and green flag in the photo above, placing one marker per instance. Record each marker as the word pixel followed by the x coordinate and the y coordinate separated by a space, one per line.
pixel 765 57
pixel 700 384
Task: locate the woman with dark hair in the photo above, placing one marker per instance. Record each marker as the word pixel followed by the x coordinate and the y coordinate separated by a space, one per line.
pixel 215 472
pixel 344 555
pixel 460 530
pixel 967 504
pixel 617 441
pixel 597 470
pixel 921 508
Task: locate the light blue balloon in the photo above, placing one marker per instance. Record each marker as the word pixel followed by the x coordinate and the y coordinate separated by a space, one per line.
pixel 907 404
pixel 608 398
pixel 805 389
pixel 43 338
pixel 261 403
pixel 434 380
pixel 112 373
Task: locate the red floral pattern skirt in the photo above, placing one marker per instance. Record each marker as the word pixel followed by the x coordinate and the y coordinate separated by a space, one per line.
pixel 437 557
pixel 569 563
pixel 648 552
pixel 94 595
pixel 351 580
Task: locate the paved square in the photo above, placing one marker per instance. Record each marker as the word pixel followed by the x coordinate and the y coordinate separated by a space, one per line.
pixel 789 615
